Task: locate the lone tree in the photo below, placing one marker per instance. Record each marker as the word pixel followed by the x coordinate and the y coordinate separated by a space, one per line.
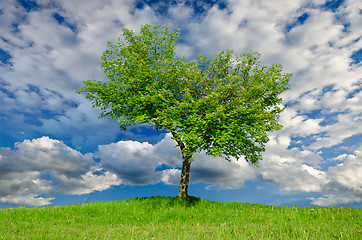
pixel 223 105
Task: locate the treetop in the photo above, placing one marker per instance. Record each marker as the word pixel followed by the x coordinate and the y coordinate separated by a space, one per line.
pixel 224 105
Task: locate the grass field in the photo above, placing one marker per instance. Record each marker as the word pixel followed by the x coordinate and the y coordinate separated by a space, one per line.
pixel 171 218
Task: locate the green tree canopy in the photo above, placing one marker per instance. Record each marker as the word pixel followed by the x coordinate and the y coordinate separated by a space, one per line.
pixel 224 105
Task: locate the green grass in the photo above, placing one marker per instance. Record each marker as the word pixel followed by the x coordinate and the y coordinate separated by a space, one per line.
pixel 171 218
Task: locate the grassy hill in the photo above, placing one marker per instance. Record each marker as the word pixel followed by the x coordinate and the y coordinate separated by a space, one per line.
pixel 171 218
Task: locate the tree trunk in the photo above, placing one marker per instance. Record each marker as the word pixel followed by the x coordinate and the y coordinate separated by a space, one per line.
pixel 185 174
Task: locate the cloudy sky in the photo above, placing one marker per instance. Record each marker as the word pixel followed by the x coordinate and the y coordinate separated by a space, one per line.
pixel 55 150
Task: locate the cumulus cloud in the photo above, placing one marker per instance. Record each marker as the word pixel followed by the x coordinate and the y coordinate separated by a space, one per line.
pixel 38 170
pixel 346 126
pixel 288 169
pixel 138 163
pixel 133 162
pixel 345 181
pixel 291 169
pixel 45 166
pixel 297 124
pixel 220 173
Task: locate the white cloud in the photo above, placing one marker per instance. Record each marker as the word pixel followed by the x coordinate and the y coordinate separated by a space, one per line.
pixel 291 169
pixel 345 185
pixel 180 13
pixel 336 199
pixel 288 169
pixel 46 166
pixel 347 125
pixel 220 173
pixel 29 199
pixel 348 174
pixel 297 124
pixel 135 163
pixel 171 176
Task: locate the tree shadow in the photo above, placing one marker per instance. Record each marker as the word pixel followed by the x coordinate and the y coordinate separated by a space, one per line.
pixel 189 201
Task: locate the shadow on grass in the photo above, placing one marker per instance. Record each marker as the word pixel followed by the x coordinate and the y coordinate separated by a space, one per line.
pixel 170 201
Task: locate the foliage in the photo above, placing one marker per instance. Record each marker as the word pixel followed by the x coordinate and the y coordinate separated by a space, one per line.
pixel 172 218
pixel 224 105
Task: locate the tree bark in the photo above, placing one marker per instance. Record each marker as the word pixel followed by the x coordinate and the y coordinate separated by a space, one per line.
pixel 185 174
pixel 186 164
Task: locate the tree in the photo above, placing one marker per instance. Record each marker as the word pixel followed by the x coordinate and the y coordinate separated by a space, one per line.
pixel 223 105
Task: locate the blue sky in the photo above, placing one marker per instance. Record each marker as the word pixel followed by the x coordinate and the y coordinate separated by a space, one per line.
pixel 55 150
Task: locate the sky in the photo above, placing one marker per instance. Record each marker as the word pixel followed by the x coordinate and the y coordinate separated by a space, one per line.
pixel 54 149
